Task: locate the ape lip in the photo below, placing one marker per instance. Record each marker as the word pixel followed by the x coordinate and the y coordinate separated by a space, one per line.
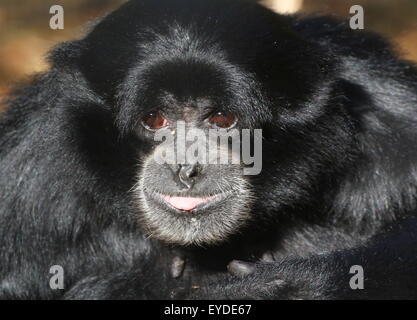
pixel 188 204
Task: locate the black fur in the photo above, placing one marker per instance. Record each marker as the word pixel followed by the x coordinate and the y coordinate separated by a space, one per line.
pixel 338 110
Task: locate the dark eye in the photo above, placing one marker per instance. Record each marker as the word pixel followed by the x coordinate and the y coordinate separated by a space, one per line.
pixel 154 121
pixel 223 120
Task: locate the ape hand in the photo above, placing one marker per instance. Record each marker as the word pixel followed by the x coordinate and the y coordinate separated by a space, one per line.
pixel 268 280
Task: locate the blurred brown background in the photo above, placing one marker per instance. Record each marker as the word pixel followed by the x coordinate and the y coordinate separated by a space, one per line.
pixel 25 36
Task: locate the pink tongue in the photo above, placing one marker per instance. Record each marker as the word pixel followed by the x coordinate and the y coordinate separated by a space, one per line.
pixel 185 203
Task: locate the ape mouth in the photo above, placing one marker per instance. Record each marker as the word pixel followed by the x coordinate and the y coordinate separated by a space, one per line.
pixel 188 203
pixel 184 204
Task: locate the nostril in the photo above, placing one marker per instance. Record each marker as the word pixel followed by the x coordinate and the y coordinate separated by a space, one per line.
pixel 193 174
pixel 191 171
pixel 187 173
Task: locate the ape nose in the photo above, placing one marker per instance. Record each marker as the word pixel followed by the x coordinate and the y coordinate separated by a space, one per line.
pixel 187 173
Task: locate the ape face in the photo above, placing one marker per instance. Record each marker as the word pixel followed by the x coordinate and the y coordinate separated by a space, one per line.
pixel 186 69
pixel 196 200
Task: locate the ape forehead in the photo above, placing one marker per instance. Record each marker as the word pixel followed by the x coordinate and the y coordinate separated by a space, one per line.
pixel 182 74
pixel 179 77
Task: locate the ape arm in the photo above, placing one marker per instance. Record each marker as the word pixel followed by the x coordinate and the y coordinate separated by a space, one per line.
pixel 389 265
pixel 148 278
pixel 124 285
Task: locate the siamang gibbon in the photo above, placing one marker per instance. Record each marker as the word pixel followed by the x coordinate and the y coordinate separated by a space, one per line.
pixel 80 187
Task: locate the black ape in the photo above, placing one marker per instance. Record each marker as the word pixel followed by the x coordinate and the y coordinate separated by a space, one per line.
pixel 80 187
